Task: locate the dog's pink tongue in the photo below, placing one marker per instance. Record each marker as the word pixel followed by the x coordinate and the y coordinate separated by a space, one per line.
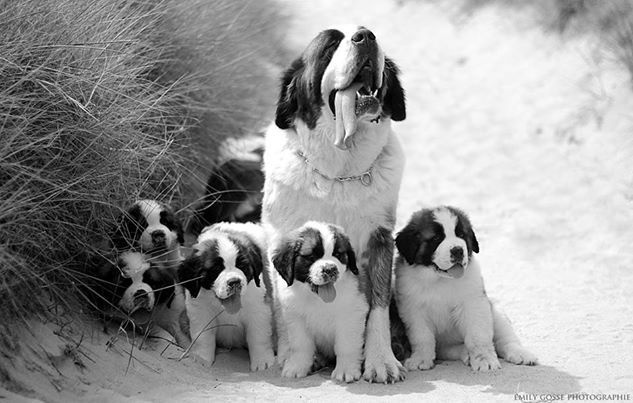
pixel 232 304
pixel 456 271
pixel 327 292
pixel 345 107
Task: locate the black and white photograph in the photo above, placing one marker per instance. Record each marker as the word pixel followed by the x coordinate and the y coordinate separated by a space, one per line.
pixel 320 201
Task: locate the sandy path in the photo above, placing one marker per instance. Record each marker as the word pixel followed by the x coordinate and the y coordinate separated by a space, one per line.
pixel 502 122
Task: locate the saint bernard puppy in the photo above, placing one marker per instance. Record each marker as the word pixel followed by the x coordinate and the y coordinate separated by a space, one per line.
pixel 137 289
pixel 151 227
pixel 228 299
pixel 441 299
pixel 332 157
pixel 319 307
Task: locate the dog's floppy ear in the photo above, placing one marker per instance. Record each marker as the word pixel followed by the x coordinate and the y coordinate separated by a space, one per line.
pixel 169 219
pixel 284 258
pixel 351 261
pixel 408 242
pixel 472 240
pixel 394 99
pixel 288 103
pixel 191 274
pixel 253 259
pixel 351 256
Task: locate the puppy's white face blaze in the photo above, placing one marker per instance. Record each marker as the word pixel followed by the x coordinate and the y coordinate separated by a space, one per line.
pixel 151 210
pixel 327 269
pixel 135 264
pixel 224 286
pixel 447 253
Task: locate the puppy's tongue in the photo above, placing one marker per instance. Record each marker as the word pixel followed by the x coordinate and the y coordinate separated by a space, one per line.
pixel 232 304
pixel 456 271
pixel 327 292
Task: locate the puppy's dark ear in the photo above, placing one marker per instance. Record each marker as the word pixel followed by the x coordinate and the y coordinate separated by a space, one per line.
pixel 169 219
pixel 394 99
pixel 284 258
pixel 351 261
pixel 408 242
pixel 351 256
pixel 288 104
pixel 254 257
pixel 472 240
pixel 188 272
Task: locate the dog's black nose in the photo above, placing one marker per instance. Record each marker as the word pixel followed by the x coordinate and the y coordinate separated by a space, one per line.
pixel 363 36
pixel 233 283
pixel 457 254
pixel 158 237
pixel 329 270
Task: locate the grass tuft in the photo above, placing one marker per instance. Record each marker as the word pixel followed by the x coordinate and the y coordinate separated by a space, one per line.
pixel 105 102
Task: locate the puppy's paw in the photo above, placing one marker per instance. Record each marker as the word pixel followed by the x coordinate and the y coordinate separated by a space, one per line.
pixel 262 361
pixel 296 367
pixel 383 368
pixel 419 361
pixel 346 371
pixel 483 360
pixel 516 354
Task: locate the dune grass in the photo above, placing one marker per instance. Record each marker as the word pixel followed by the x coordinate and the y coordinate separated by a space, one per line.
pixel 103 102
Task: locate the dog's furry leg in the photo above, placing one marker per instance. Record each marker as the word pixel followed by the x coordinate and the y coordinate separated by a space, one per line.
pixel 259 337
pixel 301 349
pixel 507 343
pixel 478 333
pixel 380 363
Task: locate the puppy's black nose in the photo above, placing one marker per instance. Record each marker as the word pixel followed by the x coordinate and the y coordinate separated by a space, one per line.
pixel 457 254
pixel 363 36
pixel 234 283
pixel 329 270
pixel 158 237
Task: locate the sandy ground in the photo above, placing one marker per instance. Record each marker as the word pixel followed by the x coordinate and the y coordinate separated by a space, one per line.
pixel 526 131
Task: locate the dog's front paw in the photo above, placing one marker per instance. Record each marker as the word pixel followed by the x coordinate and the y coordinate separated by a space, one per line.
pixel 483 360
pixel 262 361
pixel 296 367
pixel 383 368
pixel 346 371
pixel 516 354
pixel 419 361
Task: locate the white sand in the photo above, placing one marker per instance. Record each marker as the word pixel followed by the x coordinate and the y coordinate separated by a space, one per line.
pixel 528 133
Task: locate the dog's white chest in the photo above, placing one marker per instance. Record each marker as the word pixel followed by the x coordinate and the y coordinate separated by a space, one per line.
pixel 321 318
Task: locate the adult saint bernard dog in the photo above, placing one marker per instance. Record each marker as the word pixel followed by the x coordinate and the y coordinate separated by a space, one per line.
pixel 332 157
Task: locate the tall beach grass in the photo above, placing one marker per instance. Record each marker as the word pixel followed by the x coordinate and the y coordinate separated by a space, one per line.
pixel 103 102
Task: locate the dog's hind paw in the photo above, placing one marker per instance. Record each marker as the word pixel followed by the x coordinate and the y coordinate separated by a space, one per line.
pixel 516 354
pixel 416 361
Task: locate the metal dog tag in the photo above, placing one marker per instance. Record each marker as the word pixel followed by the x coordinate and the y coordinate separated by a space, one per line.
pixel 366 179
